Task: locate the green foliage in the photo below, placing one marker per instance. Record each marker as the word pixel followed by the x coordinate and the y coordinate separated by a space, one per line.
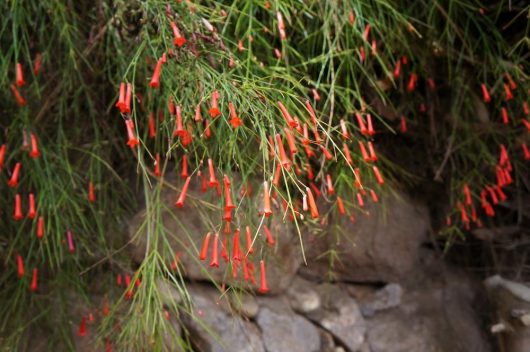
pixel 235 48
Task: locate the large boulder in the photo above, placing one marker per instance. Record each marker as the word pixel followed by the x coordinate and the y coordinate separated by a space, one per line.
pixel 284 330
pixel 381 245
pixel 214 328
pixel 185 229
pixel 439 311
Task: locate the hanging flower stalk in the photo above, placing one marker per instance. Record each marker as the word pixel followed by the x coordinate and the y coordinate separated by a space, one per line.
pixel 13 181
pixel 32 211
pixel 214 108
pixel 182 197
pixel 179 39
pixel 133 141
pixel 155 79
pixel 235 121
pixel 34 153
pixel 263 278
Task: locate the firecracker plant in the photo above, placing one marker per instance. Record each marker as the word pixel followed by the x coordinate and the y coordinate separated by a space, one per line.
pixel 291 110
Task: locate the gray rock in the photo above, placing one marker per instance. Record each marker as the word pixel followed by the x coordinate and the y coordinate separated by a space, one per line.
pixel 302 297
pixel 283 330
pixel 327 343
pixel 168 292
pixel 245 304
pixel 436 314
pixel 380 247
pixel 341 316
pixel 214 329
pixel 385 298
pixel 185 231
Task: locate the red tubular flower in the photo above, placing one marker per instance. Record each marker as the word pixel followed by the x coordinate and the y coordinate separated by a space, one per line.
pixel 38 64
pixel 236 252
pixel 370 129
pixel 345 134
pixel 500 193
pixel 375 199
pixel 268 235
pixel 224 245
pixel 250 250
pixel 526 152
pixel 316 96
pixel 263 278
pixel 378 176
pixel 20 266
pixel 267 210
pixel 34 153
pixel 467 194
pixel 493 195
pixel 155 80
pixel 347 154
pixel 508 93
pixel 228 193
pixel 305 138
pixel 70 240
pixel 485 93
pixel 317 136
pixel 121 105
pixel 362 55
pixel 362 126
pixel 403 124
pixel 184 173
pixel 156 170
pixel 290 121
pixel 19 98
pixel 505 118
pixel 315 189
pixel 213 180
pixel 91 192
pixel 326 153
pixel 329 185
pixel 40 227
pixel 179 39
pixel 17 214
pixel 32 212
pixel 284 160
pixel 526 109
pixel 215 258
pixel 152 128
pixel 179 129
pixel 2 156
pixel 182 197
pixel 235 121
pixel 412 82
pixel 20 75
pixel 290 141
pixel 311 113
pixel 198 116
pixel 214 109
pixel 13 181
pixel 463 213
pixel 360 199
pixel 397 69
pixel 374 47
pixel 373 156
pixel 312 204
pixel 281 25
pixel 133 142
pixel 82 327
pixel 33 287
pixel 128 98
pixel 119 280
pixel 431 84
pixel 277 175
pixel 366 32
pixel 510 80
pixel 357 175
pixel 205 245
pixel 364 153
pixel 340 206
pixel 309 152
pixel 277 53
